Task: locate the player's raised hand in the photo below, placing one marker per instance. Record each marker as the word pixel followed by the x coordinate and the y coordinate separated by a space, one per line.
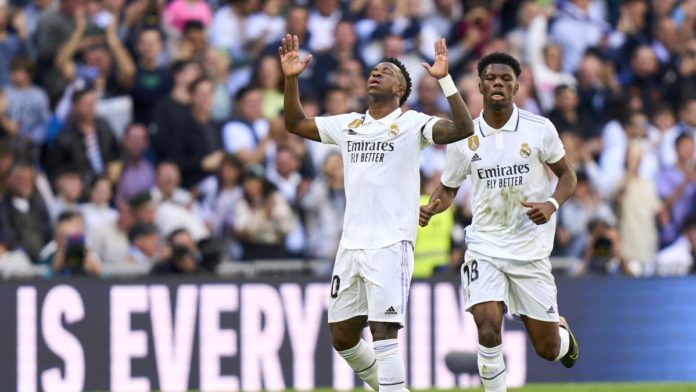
pixel 539 213
pixel 439 68
pixel 290 61
pixel 427 211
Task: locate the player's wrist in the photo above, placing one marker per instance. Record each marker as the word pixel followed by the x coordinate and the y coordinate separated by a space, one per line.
pixel 447 85
pixel 554 202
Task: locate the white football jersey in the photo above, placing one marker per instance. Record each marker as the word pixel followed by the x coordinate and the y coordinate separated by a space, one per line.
pixel 382 181
pixel 507 167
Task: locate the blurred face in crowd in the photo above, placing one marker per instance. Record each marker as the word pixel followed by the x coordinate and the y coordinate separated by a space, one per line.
pixel 393 46
pixel 20 77
pixel 216 64
pixel 135 141
pixel 69 187
pixel 270 72
pixel 22 182
pixel 286 162
pixel 385 82
pixel 590 70
pixel 662 7
pixel 685 149
pixel 468 85
pixel 667 32
pixel 85 107
pixel 229 174
pixel 567 99
pixel 688 113
pixel 526 13
pixel 444 7
pixel 202 96
pixel 149 45
pixel 197 38
pixel 253 187
pixel 183 238
pixel 349 72
pixel 101 192
pixel 326 7
pixel 147 243
pixel 333 167
pixel 250 106
pixel 378 10
pixel 6 160
pixel 100 58
pixel 553 56
pixel 296 22
pixel 69 7
pixel 145 213
pixel 336 102
pixel 168 178
pixel 428 91
pixel 344 36
pixel 271 7
pixel 498 86
pixel 644 63
pixel 188 75
pixel 68 228
pixel 664 119
pixel 637 128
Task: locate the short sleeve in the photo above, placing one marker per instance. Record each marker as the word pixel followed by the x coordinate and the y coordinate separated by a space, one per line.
pixel 457 166
pixel 552 147
pixel 331 127
pixel 424 123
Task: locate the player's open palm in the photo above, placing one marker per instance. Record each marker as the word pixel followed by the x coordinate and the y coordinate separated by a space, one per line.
pixel 290 61
pixel 439 68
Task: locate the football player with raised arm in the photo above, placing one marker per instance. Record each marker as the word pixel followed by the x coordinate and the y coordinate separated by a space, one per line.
pixel 509 241
pixel 380 150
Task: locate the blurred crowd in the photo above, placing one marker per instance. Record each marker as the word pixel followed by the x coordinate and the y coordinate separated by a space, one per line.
pixel 149 133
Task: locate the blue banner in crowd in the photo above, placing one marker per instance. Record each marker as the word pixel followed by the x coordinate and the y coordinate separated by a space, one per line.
pixel 219 335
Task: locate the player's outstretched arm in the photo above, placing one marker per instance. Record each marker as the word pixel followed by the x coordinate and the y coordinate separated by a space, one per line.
pixel 461 126
pixel 540 213
pixel 440 200
pixel 295 119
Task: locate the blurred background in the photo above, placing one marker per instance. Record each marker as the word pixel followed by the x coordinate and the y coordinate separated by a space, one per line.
pixel 144 167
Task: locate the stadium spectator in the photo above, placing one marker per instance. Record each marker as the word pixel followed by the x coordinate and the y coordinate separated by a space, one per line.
pixel 565 115
pixel 144 248
pixel 265 26
pixel 97 210
pixel 227 30
pixel 247 134
pixel 639 208
pixel 678 258
pixel 322 23
pixel 677 188
pixel 577 29
pixel 350 76
pixel 69 190
pixel 193 43
pixel 345 47
pixel 597 88
pixel 171 114
pixel 7 158
pixel 87 141
pixel 285 176
pixel 110 239
pixel 429 98
pixel 23 213
pixel 14 262
pixel 13 40
pixel 152 77
pixel 69 254
pixel 9 128
pixel 686 125
pixel 179 12
pixel 185 256
pixel 323 206
pixel 138 172
pixel 602 253
pixel 28 105
pixel 263 218
pixel 217 68
pixel 269 78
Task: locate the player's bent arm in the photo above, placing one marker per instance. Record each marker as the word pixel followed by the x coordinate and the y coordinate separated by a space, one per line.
pixel 295 119
pixel 439 201
pixel 566 180
pixel 460 127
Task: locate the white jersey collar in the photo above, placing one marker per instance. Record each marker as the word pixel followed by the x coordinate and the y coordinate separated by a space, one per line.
pixel 388 119
pixel 510 125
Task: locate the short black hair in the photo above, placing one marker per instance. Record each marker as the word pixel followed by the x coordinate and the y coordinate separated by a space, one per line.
pixel 203 79
pixel 499 58
pixel 407 77
pixel 68 215
pixel 244 91
pixel 140 230
pixel 682 136
pixel 179 65
pixel 193 25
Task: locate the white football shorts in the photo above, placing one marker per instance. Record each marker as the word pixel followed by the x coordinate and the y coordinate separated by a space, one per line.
pixel 372 283
pixel 526 287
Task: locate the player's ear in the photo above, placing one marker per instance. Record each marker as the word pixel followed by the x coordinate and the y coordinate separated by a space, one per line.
pixel 517 87
pixel 480 86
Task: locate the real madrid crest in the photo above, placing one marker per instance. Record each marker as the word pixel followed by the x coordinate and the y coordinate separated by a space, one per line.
pixel 393 130
pixel 355 123
pixel 473 143
pixel 525 151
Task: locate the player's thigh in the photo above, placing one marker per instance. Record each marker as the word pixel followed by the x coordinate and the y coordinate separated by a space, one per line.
pixel 533 290
pixel 387 274
pixel 482 281
pixel 347 291
pixel 542 333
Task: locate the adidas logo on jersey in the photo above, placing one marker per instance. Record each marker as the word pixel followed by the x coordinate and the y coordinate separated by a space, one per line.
pixel 390 310
pixel 351 132
pixel 475 158
pixel 551 310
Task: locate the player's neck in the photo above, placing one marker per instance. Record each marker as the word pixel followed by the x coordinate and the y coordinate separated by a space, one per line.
pixel 379 109
pixel 497 117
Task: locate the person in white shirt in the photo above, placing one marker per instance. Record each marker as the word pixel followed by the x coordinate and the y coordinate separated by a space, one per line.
pixel 511 236
pixel 380 151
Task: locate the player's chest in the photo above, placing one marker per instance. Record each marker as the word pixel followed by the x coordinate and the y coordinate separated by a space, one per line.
pixel 377 142
pixel 501 149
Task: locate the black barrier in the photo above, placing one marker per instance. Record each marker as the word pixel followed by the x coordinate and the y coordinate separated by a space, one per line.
pixel 216 335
